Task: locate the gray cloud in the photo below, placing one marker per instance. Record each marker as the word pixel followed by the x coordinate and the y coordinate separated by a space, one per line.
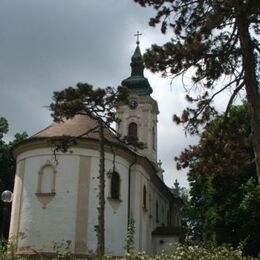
pixel 48 45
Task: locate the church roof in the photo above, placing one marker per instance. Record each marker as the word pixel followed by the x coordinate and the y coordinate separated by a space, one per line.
pixel 75 127
pixel 137 83
pixel 78 126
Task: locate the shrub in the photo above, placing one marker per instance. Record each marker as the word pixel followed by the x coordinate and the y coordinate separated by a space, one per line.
pixel 180 252
pixel 197 252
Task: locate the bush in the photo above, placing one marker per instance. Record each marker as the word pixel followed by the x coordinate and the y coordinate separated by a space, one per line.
pixel 197 252
pixel 181 252
pixel 207 252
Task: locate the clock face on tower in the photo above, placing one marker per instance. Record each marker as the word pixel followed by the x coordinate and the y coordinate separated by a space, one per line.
pixel 133 104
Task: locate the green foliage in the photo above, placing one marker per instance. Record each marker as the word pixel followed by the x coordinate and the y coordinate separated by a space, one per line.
pixel 249 209
pixel 188 215
pixel 207 252
pixel 174 252
pixel 3 250
pixel 225 205
pixel 63 250
pixel 100 105
pixel 3 127
pixel 194 252
pixel 217 41
pixel 207 37
pixel 225 145
pixel 7 251
pixel 7 164
pixel 84 99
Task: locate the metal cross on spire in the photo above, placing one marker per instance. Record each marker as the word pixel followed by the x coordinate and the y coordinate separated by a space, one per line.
pixel 137 37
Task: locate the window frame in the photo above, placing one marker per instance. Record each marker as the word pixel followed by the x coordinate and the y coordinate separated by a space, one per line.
pixel 115 186
pixel 157 211
pixel 144 198
pixel 52 191
pixel 132 132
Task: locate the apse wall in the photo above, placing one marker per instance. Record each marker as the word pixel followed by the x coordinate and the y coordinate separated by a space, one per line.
pixel 56 203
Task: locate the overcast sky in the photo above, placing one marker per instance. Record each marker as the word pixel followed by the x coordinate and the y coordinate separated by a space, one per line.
pixel 47 45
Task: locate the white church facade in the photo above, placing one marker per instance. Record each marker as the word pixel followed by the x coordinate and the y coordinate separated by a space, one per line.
pixel 55 201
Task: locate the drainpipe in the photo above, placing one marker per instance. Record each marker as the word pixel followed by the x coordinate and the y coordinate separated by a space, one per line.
pixel 129 186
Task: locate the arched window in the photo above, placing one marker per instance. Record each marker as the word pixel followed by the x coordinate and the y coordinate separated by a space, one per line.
pixel 46 179
pixel 144 197
pixel 157 211
pixel 132 133
pixel 115 185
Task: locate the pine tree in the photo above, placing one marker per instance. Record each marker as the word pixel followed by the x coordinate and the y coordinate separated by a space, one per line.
pixel 217 39
pixel 100 105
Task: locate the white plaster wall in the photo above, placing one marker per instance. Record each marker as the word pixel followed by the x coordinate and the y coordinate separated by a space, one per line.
pixel 136 205
pixel 141 216
pixel 93 200
pixel 145 220
pixel 17 196
pixel 146 118
pixel 115 212
pixel 162 201
pixel 40 227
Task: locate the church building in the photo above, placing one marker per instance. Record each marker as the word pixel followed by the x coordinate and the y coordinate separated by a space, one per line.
pixel 55 202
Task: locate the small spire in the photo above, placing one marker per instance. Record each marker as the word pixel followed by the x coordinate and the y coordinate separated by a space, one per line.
pixel 137 37
pixel 176 185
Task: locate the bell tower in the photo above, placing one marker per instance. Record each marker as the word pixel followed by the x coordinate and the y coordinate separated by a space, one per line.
pixel 138 118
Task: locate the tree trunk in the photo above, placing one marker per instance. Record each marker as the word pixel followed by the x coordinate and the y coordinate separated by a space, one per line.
pixel 251 84
pixel 101 196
